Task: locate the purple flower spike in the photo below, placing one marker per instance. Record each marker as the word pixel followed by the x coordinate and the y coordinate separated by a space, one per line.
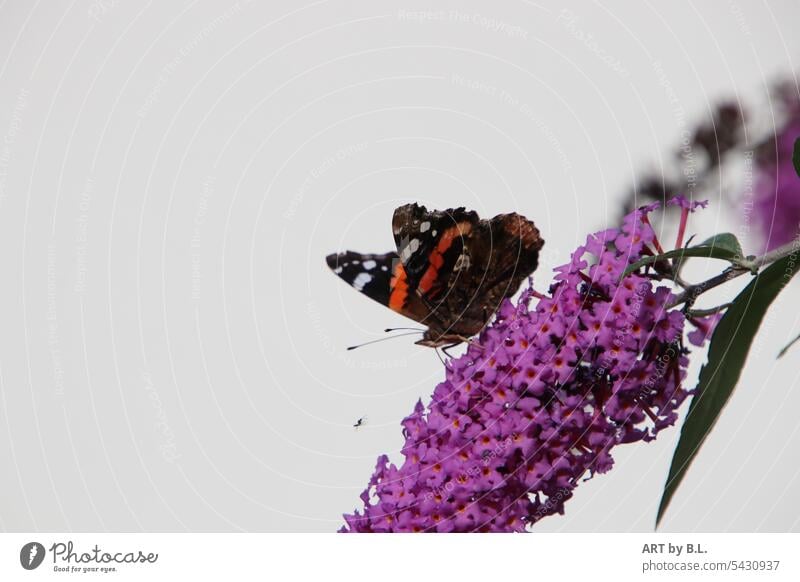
pixel 539 403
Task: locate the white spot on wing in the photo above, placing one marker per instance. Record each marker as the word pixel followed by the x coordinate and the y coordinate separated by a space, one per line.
pixel 369 265
pixel 410 249
pixel 424 226
pixel 361 280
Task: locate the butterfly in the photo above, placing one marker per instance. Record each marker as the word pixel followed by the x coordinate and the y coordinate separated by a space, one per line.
pixel 451 269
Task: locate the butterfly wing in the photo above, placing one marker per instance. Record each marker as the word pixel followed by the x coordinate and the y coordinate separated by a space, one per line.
pixel 381 278
pixel 502 252
pixel 429 244
pixel 463 267
pixel 451 270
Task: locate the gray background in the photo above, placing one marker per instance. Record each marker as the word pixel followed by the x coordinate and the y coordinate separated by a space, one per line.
pixel 172 346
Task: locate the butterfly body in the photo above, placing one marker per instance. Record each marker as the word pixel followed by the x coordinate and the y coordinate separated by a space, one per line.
pixel 451 269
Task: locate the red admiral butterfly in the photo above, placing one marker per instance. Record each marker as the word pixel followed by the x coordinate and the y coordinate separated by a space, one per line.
pixel 451 269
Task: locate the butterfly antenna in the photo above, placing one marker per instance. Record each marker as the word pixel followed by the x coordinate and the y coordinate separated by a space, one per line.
pixel 383 339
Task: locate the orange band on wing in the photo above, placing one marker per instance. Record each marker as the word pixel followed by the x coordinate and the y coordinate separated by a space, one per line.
pixel 437 255
pixel 398 288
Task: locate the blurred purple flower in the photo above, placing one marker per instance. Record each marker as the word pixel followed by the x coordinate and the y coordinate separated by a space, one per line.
pixel 776 187
pixel 542 399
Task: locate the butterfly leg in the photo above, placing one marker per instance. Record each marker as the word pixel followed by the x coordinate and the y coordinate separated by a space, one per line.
pixel 447 347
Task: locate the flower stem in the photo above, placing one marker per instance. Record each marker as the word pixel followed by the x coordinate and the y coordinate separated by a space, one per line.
pixel 746 266
pixel 782 251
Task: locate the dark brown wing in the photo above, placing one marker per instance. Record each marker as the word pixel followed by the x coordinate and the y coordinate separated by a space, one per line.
pixel 511 258
pixel 497 256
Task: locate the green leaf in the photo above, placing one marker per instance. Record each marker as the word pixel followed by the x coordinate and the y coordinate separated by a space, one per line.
pixel 713 252
pixel 788 346
pixel 729 347
pixel 796 156
pixel 725 240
